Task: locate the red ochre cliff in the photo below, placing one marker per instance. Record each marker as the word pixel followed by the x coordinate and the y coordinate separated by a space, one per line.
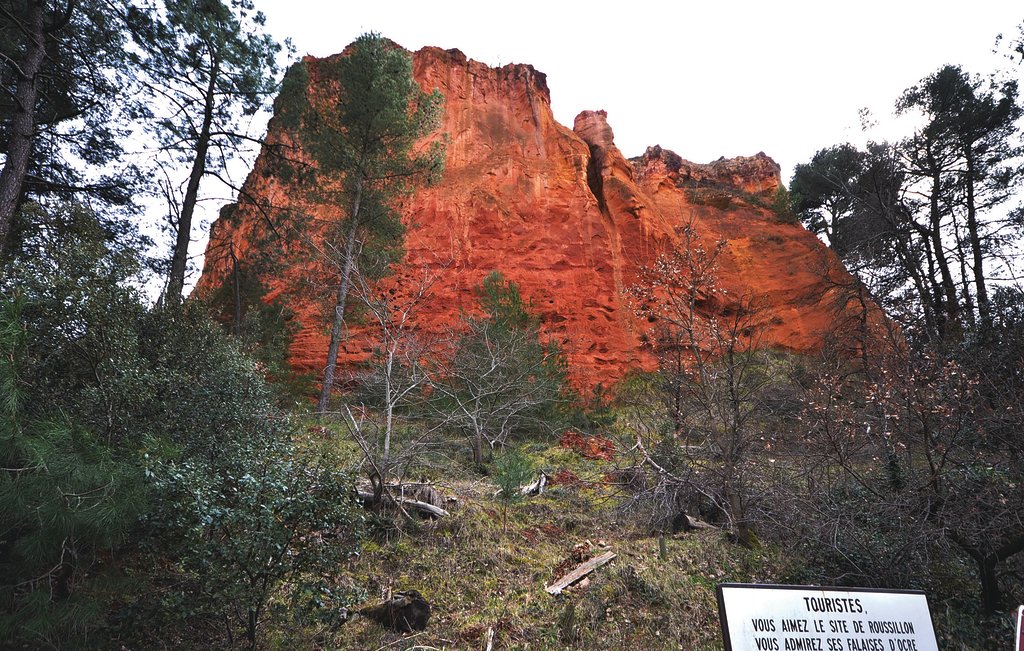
pixel 566 216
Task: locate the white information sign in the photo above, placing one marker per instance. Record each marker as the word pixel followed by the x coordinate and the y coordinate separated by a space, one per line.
pixel 802 618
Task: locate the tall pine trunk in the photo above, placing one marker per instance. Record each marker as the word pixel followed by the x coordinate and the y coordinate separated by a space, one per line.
pixel 339 304
pixel 179 256
pixel 984 311
pixel 951 306
pixel 23 124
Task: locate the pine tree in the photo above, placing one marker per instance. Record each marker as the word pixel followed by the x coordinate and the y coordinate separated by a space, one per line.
pixel 966 152
pixel 360 141
pixel 63 499
pixel 211 65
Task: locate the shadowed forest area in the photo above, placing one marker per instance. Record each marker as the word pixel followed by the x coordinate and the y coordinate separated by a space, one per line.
pixel 167 480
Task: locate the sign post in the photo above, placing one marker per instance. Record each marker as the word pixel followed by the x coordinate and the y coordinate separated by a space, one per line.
pixel 805 618
pixel 1020 629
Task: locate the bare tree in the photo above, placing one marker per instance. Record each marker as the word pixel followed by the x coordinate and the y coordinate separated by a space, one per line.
pixel 715 379
pixel 909 463
pixel 380 413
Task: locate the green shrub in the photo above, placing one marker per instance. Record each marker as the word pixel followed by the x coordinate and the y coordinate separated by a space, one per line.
pixel 205 394
pixel 104 402
pixel 783 207
pixel 263 523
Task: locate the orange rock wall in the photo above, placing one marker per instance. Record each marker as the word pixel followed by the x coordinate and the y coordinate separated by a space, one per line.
pixel 566 216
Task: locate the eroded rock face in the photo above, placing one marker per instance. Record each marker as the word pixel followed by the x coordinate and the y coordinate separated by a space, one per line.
pixel 566 216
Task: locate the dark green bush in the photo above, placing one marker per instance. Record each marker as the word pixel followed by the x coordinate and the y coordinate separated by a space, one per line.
pixel 143 441
pixel 64 501
pixel 264 522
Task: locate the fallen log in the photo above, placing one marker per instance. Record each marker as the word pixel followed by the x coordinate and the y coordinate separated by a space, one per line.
pixel 561 584
pixel 422 507
pixel 694 523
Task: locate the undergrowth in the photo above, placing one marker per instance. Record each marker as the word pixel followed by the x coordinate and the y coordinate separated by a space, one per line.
pixel 482 576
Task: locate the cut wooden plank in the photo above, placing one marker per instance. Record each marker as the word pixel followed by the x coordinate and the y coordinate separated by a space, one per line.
pixel 580 572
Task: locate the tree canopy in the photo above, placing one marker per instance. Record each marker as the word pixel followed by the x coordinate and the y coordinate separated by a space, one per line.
pixel 929 212
pixel 65 102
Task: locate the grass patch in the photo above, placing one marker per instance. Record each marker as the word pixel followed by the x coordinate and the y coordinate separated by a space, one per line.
pixel 479 577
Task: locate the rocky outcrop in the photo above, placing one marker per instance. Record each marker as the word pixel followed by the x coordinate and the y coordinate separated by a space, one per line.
pixel 565 215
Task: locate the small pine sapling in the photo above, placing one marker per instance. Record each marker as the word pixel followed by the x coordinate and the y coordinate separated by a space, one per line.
pixel 511 470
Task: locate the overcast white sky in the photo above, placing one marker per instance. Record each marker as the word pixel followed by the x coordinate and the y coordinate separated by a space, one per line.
pixel 707 79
